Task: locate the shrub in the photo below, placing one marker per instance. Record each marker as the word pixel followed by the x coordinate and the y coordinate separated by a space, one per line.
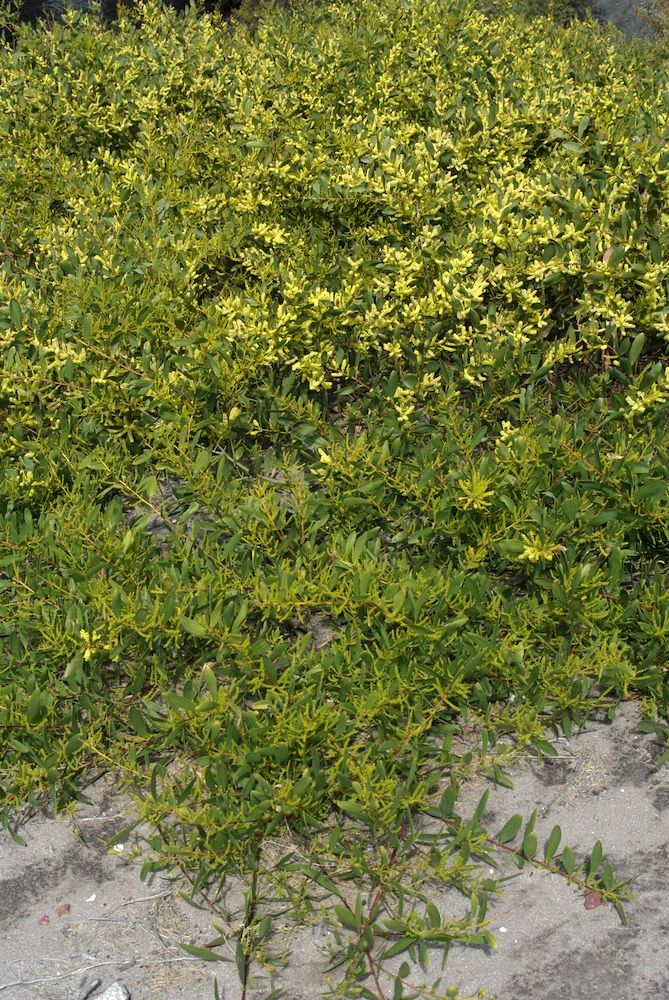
pixel 332 420
pixel 33 11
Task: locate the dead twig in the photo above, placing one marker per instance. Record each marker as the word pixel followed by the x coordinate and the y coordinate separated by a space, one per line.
pixel 51 979
pixel 91 988
pixel 89 968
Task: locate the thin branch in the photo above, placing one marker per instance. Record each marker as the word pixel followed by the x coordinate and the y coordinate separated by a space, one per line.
pixel 88 968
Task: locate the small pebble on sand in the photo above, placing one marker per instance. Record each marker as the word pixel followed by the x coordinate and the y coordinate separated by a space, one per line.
pixel 115 992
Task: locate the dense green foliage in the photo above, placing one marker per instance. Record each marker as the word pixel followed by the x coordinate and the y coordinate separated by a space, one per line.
pixel 333 415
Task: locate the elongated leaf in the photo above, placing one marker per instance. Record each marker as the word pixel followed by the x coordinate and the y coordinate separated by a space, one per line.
pixel 544 747
pixel 398 947
pixel 394 925
pixel 16 314
pixel 192 627
pixel 447 801
pixel 616 256
pixel 568 860
pixel 651 489
pixel 240 960
pixel 314 874
pixel 648 726
pixel 345 916
pixel 351 806
pixel 636 348
pixel 204 953
pixel 566 726
pixel 553 843
pixel 530 845
pixel 621 911
pixel 34 707
pixel 511 547
pixel 433 915
pixel 136 720
pixel 510 829
pixel 263 928
pixel 595 858
pixel 531 822
pixel 480 809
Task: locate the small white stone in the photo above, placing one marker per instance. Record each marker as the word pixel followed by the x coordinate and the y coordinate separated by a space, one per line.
pixel 502 930
pixel 115 992
pixel 91 899
pixel 119 848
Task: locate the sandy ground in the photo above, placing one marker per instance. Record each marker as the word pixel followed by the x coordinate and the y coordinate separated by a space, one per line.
pixel 603 785
pixel 71 913
pixel 113 928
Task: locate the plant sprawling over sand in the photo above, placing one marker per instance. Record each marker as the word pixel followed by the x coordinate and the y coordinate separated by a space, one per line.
pixel 333 422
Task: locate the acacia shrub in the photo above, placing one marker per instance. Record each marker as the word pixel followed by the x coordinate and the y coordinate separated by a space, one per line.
pixel 332 421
